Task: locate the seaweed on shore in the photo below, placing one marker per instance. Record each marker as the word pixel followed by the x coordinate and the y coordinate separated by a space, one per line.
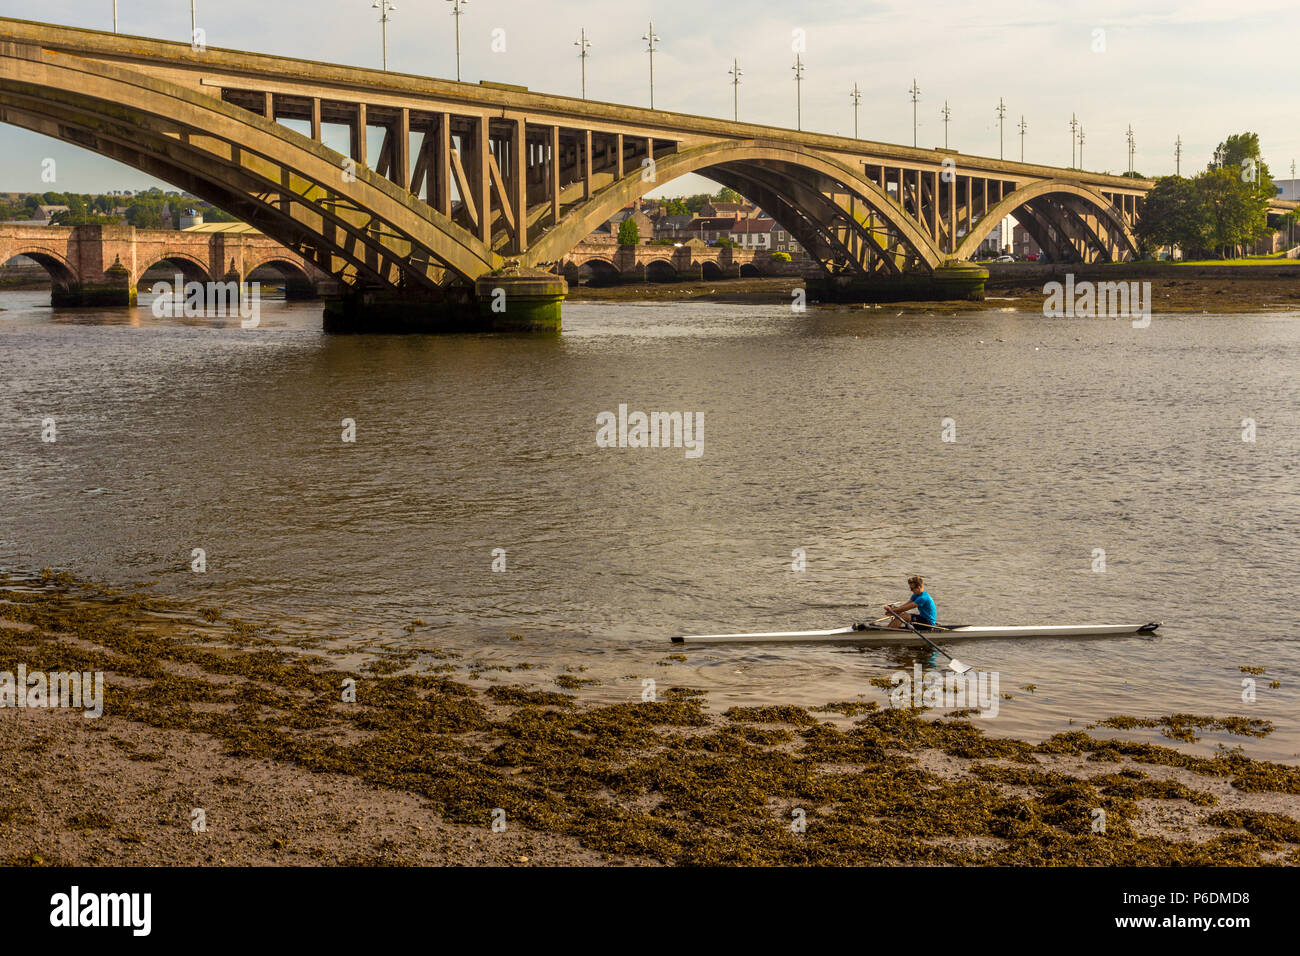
pixel 660 779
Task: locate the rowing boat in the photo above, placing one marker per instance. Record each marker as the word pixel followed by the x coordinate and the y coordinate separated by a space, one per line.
pixel 880 634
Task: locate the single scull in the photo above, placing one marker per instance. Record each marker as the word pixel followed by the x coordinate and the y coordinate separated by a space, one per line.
pixel 880 634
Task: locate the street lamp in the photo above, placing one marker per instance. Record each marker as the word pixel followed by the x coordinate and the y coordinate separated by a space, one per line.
pixel 652 39
pixel 1074 135
pixel 947 116
pixel 385 8
pixel 916 95
pixel 1131 146
pixel 1023 126
pixel 583 45
pixel 1002 116
pixel 456 12
pixel 857 102
pixel 1080 146
pixel 736 73
pixel 1178 155
pixel 114 16
pixel 798 90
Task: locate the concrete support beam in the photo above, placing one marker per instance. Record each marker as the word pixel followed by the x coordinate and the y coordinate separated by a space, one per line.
pixel 585 160
pixel 482 178
pixel 555 176
pixel 402 155
pixel 315 118
pixel 618 159
pixel 519 154
pixel 442 184
pixel 359 127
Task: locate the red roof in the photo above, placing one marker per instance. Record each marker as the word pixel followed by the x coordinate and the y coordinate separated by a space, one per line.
pixel 754 225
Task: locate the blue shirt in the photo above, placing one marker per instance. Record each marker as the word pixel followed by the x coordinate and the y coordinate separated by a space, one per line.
pixel 925 607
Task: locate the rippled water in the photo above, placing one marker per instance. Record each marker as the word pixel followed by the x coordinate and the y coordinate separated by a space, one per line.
pixel 822 433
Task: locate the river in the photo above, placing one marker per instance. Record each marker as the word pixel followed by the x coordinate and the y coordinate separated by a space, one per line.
pixel 823 438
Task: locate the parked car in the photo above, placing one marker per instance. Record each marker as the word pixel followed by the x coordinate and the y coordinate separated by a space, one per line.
pixel 1005 259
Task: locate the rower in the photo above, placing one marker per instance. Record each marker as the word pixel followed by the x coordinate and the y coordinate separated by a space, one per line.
pixel 921 603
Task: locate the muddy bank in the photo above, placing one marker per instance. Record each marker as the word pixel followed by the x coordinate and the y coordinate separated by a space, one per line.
pixel 296 760
pixel 1173 289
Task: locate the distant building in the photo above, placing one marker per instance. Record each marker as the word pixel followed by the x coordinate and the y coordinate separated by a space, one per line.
pixel 608 230
pixel 1288 189
pixel 674 227
pixel 1024 245
pixel 753 234
pixel 730 210
pixel 191 218
pixel 711 228
pixel 46 213
pixel 783 241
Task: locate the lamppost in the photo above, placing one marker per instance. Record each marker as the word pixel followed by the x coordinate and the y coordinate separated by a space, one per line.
pixel 1074 135
pixel 456 12
pixel 1178 155
pixel 856 96
pixel 583 45
pixel 194 21
pixel 1002 116
pixel 114 16
pixel 736 73
pixel 1081 146
pixel 1023 126
pixel 1292 231
pixel 652 40
pixel 798 90
pixel 916 95
pixel 384 7
pixel 947 115
pixel 1131 146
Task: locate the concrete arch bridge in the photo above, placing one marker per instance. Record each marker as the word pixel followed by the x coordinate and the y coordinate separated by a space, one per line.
pixel 423 197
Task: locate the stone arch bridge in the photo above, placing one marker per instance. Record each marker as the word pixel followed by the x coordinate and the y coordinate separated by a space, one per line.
pixel 688 260
pixel 425 197
pixel 103 265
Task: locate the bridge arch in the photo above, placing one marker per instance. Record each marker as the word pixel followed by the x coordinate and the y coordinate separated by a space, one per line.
pixel 61 272
pixel 1045 203
pixel 660 270
pixel 298 282
pixel 361 228
pixel 191 267
pixel 791 177
pixel 593 270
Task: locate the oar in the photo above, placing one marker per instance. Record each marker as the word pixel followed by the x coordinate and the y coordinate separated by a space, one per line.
pixel 953 664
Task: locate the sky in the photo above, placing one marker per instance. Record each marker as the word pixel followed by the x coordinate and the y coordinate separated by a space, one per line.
pixel 1199 69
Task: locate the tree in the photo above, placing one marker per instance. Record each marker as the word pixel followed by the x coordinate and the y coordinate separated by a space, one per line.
pixel 145 212
pixel 1216 212
pixel 628 233
pixel 727 194
pixel 1234 213
pixel 1170 216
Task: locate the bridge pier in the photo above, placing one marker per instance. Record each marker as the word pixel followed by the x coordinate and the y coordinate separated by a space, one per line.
pixel 949 282
pixel 113 287
pixel 514 300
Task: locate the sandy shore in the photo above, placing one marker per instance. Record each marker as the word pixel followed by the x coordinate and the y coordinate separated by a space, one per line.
pixel 214 715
